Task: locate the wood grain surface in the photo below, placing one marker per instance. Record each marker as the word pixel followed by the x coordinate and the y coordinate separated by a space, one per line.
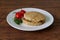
pixel 9 33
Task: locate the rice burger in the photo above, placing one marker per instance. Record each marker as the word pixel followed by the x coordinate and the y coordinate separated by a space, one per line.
pixel 33 18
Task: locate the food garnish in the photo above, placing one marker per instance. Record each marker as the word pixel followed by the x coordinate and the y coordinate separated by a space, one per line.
pixel 18 17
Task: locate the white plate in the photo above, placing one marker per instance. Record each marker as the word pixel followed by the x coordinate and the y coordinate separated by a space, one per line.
pixel 49 20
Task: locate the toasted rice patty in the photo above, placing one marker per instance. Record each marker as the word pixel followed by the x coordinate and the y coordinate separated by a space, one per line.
pixel 34 16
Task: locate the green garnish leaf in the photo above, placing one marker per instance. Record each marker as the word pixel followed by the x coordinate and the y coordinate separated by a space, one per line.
pixel 17 21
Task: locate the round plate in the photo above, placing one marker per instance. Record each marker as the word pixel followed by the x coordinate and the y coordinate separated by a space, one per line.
pixel 24 27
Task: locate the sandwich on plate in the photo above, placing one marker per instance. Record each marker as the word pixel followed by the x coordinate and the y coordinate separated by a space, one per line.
pixel 33 18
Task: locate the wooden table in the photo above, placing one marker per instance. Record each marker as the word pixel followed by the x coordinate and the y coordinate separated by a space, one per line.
pixel 9 33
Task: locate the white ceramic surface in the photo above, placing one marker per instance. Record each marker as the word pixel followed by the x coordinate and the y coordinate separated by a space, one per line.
pixel 24 27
